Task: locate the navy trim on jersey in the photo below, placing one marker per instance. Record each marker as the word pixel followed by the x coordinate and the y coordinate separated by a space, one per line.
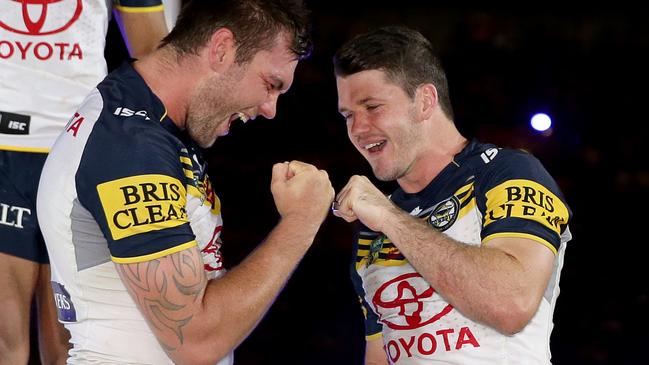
pixel 129 142
pixel 506 165
pixel 485 169
pixel 137 3
pixel 372 325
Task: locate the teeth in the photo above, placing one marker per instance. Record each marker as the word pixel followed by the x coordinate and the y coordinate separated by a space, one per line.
pixel 244 118
pixel 368 146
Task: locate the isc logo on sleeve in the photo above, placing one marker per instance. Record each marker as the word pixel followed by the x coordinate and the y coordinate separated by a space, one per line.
pixel 143 203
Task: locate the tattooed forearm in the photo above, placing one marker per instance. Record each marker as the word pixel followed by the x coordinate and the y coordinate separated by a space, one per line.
pixel 167 291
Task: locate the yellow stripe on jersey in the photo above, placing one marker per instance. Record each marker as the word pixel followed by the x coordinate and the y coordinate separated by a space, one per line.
pixel 186 160
pixel 143 9
pixel 142 203
pixel 375 336
pixel 364 241
pixel 24 149
pixel 467 190
pixel 193 191
pixel 363 252
pixel 360 301
pixel 197 193
pixel 466 193
pixel 520 235
pixel 526 199
pixel 153 256
pixel 467 208
pixel 189 173
pixel 163 116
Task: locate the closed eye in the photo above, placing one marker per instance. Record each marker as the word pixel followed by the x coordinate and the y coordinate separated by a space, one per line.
pixel 274 83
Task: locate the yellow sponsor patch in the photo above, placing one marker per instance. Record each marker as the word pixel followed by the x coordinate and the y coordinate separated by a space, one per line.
pixel 527 200
pixel 143 203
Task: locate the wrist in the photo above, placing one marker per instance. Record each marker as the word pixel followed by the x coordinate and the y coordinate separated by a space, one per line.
pixel 301 223
pixel 393 218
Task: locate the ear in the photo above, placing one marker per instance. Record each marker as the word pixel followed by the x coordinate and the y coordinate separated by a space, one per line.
pixel 221 50
pixel 427 101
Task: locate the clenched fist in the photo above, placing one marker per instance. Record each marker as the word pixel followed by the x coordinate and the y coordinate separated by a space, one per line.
pixel 302 191
pixel 360 199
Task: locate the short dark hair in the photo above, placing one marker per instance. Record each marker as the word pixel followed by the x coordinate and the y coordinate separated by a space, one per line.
pixel 254 23
pixel 405 55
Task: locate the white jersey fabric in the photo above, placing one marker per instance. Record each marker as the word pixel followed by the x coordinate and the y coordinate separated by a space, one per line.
pixel 486 193
pixel 51 56
pixel 121 185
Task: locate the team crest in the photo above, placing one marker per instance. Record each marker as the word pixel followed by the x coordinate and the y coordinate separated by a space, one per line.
pixel 375 248
pixel 444 214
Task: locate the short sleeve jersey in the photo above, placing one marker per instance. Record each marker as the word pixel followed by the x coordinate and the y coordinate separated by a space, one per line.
pixel 122 184
pixel 486 192
pixel 51 56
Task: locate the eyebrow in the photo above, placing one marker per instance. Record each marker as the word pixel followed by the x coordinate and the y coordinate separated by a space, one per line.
pixel 360 102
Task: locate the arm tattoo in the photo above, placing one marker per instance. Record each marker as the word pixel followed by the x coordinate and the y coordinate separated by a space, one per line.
pixel 167 290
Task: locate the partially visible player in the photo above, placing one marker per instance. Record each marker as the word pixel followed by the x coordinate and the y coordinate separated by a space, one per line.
pixel 51 56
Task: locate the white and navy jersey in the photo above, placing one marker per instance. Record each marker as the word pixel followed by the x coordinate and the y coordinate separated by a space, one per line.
pixel 51 57
pixel 486 193
pixel 122 184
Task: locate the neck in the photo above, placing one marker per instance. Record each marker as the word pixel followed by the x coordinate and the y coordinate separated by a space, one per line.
pixel 441 144
pixel 161 70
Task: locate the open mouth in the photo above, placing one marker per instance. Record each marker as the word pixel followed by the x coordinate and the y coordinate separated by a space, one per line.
pixel 238 116
pixel 375 147
pixel 241 116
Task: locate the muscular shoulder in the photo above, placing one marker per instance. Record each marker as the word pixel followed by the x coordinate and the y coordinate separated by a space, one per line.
pixel 494 166
pixel 518 196
pixel 128 139
pixel 128 136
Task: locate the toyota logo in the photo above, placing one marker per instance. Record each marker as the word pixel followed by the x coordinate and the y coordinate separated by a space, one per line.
pixel 35 20
pixel 407 293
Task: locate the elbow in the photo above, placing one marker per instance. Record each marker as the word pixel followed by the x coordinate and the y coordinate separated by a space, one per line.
pixel 200 354
pixel 211 360
pixel 511 325
pixel 200 358
pixel 513 318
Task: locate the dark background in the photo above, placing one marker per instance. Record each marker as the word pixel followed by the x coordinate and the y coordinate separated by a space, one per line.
pixel 585 66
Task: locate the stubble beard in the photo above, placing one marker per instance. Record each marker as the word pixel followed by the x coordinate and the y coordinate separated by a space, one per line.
pixel 401 164
pixel 395 173
pixel 210 108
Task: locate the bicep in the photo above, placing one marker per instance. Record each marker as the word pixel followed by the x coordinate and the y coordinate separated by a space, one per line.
pixel 536 259
pixel 168 291
pixel 374 353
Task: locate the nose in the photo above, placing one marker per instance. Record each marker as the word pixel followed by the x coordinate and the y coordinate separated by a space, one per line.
pixel 269 108
pixel 358 125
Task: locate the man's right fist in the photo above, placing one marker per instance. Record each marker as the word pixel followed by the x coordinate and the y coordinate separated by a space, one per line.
pixel 301 190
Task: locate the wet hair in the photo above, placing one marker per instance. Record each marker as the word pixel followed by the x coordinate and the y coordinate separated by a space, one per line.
pixel 405 55
pixel 254 23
